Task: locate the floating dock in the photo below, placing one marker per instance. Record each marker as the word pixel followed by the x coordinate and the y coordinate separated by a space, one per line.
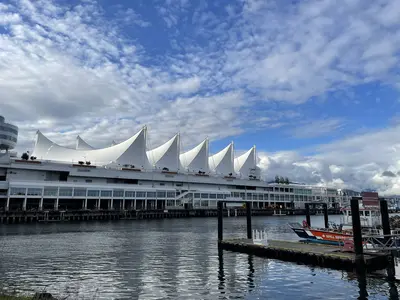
pixel 307 253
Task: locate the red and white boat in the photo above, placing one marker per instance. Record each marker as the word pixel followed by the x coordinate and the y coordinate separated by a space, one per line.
pixel 336 234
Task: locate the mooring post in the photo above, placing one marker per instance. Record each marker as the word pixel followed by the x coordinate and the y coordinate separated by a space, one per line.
pixel 248 216
pixel 385 216
pixel 357 237
pixel 325 206
pixel 220 220
pixel 308 219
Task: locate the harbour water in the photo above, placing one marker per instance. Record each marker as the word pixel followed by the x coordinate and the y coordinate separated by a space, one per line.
pixel 166 259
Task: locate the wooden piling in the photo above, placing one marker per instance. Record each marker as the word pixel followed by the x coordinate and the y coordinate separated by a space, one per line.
pixel 220 220
pixel 325 206
pixel 308 219
pixel 385 216
pixel 248 216
pixel 357 237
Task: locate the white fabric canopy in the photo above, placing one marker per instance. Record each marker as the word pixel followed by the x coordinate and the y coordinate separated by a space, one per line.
pixel 82 145
pixel 196 159
pixel 130 152
pixel 222 162
pixel 166 155
pixel 246 163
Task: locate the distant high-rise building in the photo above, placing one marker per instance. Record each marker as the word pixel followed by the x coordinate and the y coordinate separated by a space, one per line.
pixel 8 135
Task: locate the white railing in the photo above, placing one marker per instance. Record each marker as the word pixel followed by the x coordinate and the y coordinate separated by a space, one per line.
pixel 260 237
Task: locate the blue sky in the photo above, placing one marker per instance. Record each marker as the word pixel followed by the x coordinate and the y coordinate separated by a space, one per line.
pixel 313 84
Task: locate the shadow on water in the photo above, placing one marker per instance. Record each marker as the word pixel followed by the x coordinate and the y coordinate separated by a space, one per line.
pixel 362 278
pixel 221 274
pixel 391 278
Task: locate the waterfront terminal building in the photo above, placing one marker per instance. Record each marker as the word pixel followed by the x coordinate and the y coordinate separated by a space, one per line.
pixel 129 176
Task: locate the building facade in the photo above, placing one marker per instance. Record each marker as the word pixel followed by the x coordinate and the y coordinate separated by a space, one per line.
pixel 129 176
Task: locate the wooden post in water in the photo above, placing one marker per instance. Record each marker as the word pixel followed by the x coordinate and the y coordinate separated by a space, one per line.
pixel 325 206
pixel 220 220
pixel 248 216
pixel 308 219
pixel 385 216
pixel 357 237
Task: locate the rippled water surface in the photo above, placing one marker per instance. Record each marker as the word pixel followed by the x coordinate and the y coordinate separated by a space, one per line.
pixel 165 259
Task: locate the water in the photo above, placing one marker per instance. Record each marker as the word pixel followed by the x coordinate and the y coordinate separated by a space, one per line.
pixel 165 259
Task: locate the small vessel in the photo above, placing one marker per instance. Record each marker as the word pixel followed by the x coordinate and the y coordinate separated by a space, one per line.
pixel 336 234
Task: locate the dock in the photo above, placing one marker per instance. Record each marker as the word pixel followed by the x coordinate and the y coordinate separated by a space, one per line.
pixel 327 256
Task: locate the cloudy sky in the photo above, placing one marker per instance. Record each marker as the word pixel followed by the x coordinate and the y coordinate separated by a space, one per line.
pixel 314 84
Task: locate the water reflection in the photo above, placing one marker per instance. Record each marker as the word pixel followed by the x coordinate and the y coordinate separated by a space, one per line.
pixel 165 259
pixel 362 284
pixel 221 273
pixel 250 276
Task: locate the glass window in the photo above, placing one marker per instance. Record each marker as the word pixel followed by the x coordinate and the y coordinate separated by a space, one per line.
pixel 204 203
pixel 17 191
pixel 51 191
pixel 93 193
pixel 213 196
pixel 221 196
pixel 161 194
pixel 130 194
pixel 79 192
pixel 118 193
pixel 151 194
pixel 197 195
pixel 204 196
pixel 106 193
pixel 140 194
pixel 66 192
pixel 171 194
pixel 260 197
pixel 34 192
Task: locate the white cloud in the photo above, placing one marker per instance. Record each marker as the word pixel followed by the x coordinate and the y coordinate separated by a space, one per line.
pixel 67 71
pixel 317 128
pixel 359 162
pixel 70 70
pixel 292 53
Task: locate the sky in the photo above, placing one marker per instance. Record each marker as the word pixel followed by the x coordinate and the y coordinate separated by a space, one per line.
pixel 313 84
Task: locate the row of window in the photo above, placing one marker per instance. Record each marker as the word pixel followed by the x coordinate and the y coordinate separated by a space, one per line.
pixel 8 138
pixel 8 129
pixel 82 192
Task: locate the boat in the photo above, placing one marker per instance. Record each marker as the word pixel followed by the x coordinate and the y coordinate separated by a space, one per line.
pixel 370 219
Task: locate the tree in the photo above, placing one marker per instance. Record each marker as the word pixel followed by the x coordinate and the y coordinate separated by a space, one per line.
pixel 277 179
pixel 25 156
pixel 287 180
pixel 281 180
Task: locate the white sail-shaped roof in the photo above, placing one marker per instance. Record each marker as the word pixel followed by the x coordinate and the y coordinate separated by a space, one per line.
pixel 222 162
pixel 166 155
pixel 196 159
pixel 246 163
pixel 130 152
pixel 82 145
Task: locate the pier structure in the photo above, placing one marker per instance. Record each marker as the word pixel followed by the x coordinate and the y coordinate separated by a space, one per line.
pixel 336 257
